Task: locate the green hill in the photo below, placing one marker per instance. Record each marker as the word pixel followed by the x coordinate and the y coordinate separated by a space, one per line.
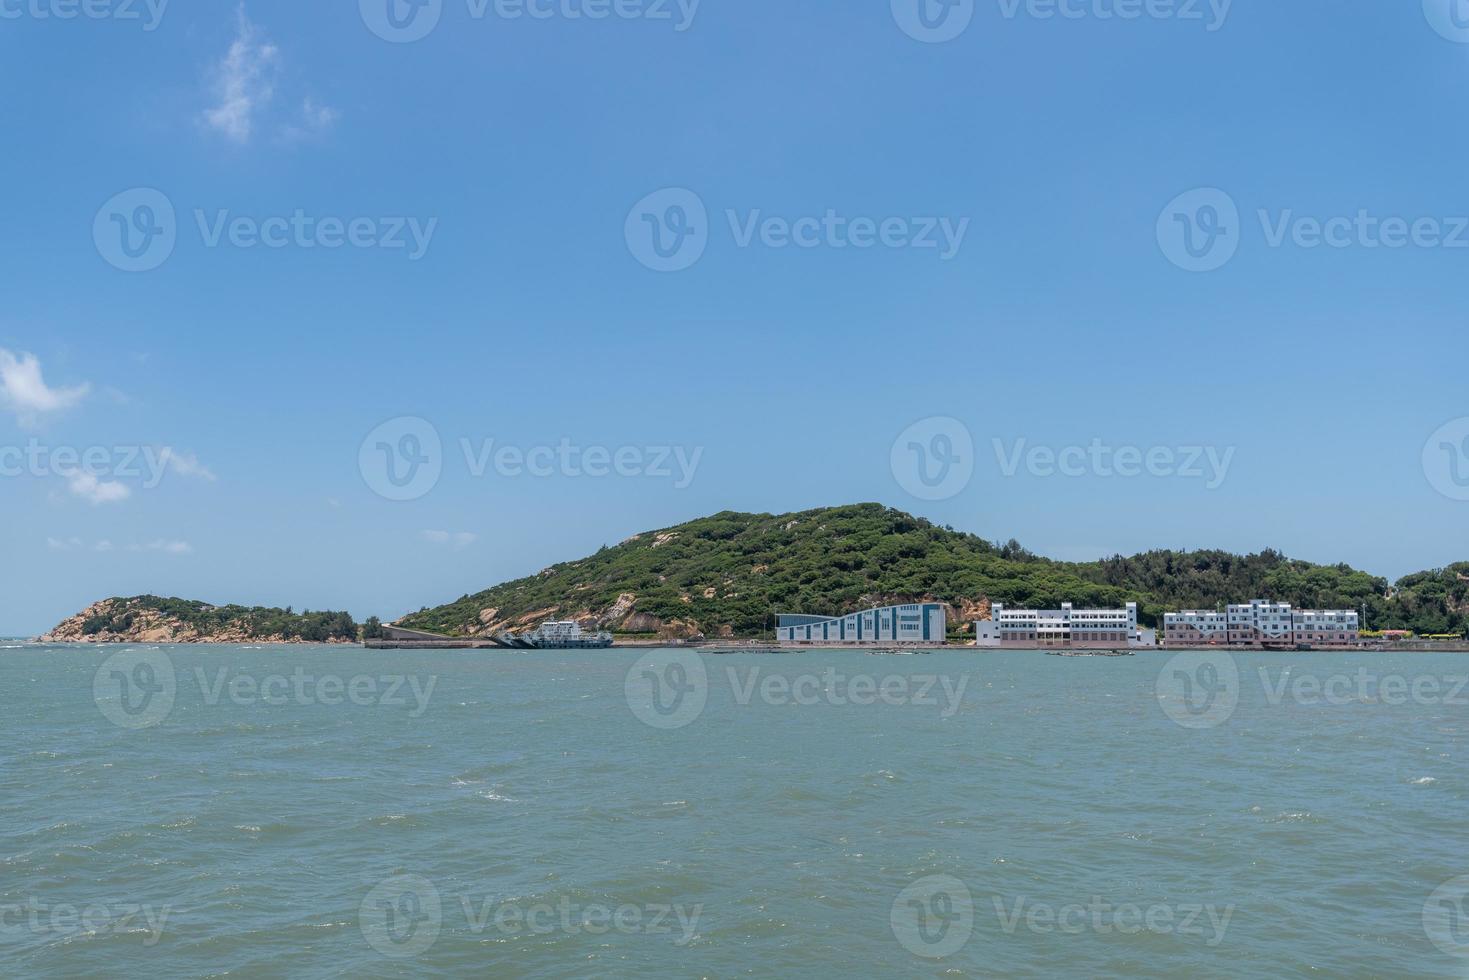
pixel 727 574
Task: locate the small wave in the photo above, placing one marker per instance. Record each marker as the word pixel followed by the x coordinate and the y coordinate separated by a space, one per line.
pixel 490 794
pixel 1422 781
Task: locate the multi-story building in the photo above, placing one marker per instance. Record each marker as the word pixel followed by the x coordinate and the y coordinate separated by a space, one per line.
pixel 1064 627
pixel 913 623
pixel 1194 628
pixel 1259 623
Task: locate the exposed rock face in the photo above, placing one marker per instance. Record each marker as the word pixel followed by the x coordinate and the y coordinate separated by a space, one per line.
pixel 619 609
pixel 642 623
pixel 678 629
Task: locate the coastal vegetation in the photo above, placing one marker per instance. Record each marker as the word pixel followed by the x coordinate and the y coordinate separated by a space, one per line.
pixel 725 575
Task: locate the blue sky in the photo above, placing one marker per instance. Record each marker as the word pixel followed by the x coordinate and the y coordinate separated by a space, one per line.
pixel 1073 159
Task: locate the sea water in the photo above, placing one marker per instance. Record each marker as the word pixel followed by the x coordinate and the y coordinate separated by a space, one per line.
pixel 324 812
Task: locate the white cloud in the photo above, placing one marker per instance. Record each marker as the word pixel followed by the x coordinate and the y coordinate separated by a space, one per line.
pixel 104 545
pixel 459 540
pixel 24 391
pixel 96 491
pixel 315 120
pixel 185 464
pixel 68 544
pixel 165 545
pixel 244 81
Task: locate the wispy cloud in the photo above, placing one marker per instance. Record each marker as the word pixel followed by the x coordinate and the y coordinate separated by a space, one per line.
pixel 185 464
pixel 244 81
pixel 458 540
pixel 315 120
pixel 165 545
pixel 243 88
pixel 95 491
pixel 24 391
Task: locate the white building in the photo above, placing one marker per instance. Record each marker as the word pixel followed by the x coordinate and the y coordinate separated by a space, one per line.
pixel 1064 627
pixel 913 623
pixel 1259 623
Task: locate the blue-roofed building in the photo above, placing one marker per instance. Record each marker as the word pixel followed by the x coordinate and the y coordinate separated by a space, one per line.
pixel 923 622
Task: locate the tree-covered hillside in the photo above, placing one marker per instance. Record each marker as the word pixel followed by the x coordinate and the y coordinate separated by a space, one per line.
pixel 729 573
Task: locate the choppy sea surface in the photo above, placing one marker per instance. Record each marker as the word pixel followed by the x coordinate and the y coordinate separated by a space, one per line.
pixel 328 812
